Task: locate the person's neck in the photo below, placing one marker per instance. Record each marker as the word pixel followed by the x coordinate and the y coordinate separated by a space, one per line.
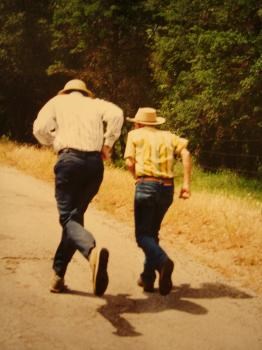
pixel 139 126
pixel 76 93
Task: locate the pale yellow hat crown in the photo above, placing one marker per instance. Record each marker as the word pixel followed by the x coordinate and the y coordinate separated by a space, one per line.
pixel 147 116
pixel 76 85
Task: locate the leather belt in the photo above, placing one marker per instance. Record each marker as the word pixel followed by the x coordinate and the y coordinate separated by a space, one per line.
pixel 76 151
pixel 162 180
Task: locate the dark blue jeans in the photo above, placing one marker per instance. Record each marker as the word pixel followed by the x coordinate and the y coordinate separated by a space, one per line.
pixel 152 200
pixel 78 176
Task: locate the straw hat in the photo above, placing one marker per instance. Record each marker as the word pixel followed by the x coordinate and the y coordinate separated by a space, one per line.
pixel 76 85
pixel 147 116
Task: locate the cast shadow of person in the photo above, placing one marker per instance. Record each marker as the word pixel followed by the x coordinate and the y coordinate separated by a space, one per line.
pixel 117 305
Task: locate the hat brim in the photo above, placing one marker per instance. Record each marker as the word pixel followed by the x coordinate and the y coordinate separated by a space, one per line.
pixel 159 121
pixel 66 91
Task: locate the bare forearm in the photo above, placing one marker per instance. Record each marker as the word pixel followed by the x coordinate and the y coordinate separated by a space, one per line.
pixel 187 166
pixel 187 170
pixel 106 153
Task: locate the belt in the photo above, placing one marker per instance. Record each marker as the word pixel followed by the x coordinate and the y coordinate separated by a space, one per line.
pixel 162 180
pixel 77 151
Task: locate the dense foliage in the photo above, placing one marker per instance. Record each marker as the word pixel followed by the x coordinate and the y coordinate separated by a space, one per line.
pixel 207 63
pixel 24 57
pixel 199 62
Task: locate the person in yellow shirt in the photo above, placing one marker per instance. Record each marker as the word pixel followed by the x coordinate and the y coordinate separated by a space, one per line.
pixel 149 156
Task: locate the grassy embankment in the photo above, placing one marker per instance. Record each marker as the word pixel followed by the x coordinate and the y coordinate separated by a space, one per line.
pixel 221 225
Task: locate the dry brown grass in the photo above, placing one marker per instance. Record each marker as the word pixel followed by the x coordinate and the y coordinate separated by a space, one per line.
pixel 222 232
pixel 226 234
pixel 34 161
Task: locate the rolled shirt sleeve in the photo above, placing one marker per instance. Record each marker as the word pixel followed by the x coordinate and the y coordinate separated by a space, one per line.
pixel 130 150
pixel 44 127
pixel 113 117
pixel 179 144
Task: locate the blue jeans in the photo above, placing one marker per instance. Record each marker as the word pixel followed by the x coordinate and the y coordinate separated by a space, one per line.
pixel 152 200
pixel 78 176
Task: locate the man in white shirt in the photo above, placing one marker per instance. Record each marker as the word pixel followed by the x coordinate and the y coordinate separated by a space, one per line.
pixel 73 123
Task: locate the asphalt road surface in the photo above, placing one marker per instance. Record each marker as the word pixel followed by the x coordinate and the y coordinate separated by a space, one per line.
pixel 203 311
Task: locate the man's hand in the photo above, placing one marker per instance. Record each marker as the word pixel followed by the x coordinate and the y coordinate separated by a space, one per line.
pixel 130 163
pixel 184 193
pixel 106 153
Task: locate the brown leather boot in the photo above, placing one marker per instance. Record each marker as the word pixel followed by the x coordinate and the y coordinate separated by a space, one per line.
pixel 165 274
pixel 148 286
pixel 98 260
pixel 58 285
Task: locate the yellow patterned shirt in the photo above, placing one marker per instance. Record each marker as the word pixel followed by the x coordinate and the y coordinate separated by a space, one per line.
pixel 153 151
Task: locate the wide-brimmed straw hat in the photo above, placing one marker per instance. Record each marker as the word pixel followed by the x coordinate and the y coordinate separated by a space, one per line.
pixel 147 116
pixel 76 85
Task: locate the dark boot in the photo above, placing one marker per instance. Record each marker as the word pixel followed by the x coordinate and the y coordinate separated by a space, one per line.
pixel 165 274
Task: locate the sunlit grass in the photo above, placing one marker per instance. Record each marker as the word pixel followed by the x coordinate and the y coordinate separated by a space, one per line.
pixel 32 160
pixel 224 182
pixel 220 224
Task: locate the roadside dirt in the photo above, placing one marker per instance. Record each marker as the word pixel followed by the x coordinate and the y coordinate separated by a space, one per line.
pixel 203 311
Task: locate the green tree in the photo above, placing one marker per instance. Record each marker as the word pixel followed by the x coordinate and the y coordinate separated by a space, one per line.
pixel 104 42
pixel 206 57
pixel 23 61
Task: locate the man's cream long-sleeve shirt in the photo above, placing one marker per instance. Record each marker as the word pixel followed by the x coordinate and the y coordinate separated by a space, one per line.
pixel 76 121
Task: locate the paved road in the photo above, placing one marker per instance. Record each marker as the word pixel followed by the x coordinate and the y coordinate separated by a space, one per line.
pixel 202 312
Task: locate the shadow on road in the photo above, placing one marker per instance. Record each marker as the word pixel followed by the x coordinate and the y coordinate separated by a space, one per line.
pixel 116 305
